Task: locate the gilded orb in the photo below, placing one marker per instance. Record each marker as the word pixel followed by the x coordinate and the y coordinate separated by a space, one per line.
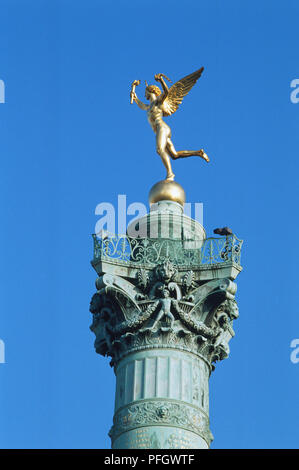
pixel 167 191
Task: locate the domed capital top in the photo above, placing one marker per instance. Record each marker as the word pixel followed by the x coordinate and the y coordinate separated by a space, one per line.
pixel 167 191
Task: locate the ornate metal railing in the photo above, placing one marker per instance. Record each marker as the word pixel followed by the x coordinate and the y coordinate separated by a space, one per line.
pixel 221 250
pixel 124 249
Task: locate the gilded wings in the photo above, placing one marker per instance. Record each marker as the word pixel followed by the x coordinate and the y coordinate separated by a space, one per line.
pixel 177 92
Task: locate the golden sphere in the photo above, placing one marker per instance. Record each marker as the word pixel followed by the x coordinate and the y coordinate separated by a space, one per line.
pixel 167 191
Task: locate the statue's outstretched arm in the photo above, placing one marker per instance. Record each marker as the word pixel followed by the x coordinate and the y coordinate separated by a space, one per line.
pixel 159 78
pixel 141 105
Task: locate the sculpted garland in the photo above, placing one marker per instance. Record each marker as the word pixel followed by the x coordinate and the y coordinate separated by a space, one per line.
pixel 163 302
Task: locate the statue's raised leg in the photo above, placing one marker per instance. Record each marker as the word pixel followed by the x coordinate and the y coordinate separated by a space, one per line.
pixel 185 153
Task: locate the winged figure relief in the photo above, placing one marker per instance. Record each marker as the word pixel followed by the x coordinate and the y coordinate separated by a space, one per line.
pixel 163 104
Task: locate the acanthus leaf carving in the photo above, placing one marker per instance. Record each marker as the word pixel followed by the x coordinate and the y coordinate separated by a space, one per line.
pixel 154 311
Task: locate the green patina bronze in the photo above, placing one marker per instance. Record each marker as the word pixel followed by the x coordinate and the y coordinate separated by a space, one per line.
pixel 137 251
pixel 164 311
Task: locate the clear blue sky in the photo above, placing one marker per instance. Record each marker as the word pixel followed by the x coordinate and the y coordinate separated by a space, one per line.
pixel 70 140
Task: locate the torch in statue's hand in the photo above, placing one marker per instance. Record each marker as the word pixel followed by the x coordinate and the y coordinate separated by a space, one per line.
pixel 133 86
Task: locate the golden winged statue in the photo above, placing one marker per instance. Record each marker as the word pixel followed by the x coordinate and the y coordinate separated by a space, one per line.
pixel 164 104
